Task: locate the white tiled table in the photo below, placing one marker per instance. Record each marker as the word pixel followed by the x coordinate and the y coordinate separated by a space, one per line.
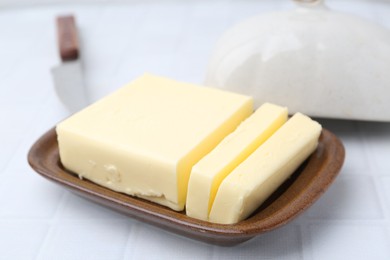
pixel 39 220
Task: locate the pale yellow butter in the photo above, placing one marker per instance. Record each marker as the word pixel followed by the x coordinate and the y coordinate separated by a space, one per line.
pixel 144 139
pixel 209 172
pixel 251 183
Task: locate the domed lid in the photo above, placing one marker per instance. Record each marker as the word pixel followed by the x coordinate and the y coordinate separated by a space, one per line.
pixel 313 60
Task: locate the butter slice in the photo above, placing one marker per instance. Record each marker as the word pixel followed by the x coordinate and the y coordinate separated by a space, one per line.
pixel 208 173
pixel 249 185
pixel 144 138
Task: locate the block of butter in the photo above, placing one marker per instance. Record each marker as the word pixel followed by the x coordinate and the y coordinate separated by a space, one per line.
pixel 249 185
pixel 144 138
pixel 208 173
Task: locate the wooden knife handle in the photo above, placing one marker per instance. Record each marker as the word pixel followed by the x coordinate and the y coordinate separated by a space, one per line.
pixel 68 43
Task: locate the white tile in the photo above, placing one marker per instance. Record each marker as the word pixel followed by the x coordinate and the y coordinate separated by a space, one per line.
pixel 86 240
pixel 23 40
pixel 156 45
pixel 77 208
pixel 385 184
pixel 148 240
pixel 87 16
pixel 15 119
pixel 18 162
pixel 350 197
pixel 382 14
pixel 376 138
pixel 21 240
pixel 166 20
pixel 364 9
pixel 283 243
pixel 356 158
pixel 25 194
pixel 160 63
pixel 9 144
pixel 203 27
pixel 334 241
pixel 11 53
pixel 193 71
pixel 44 119
pixel 27 85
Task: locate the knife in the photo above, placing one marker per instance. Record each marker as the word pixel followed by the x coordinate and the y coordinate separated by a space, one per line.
pixel 68 76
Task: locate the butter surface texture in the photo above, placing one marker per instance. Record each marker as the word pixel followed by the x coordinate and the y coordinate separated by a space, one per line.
pixel 144 138
pixel 209 172
pixel 253 181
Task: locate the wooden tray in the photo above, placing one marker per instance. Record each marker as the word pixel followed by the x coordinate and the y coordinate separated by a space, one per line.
pixel 299 192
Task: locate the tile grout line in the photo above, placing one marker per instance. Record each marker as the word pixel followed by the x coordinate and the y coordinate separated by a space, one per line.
pixel 385 210
pixel 131 237
pixel 375 177
pixel 9 72
pixel 52 224
pixel 21 141
pixel 130 43
pixel 307 247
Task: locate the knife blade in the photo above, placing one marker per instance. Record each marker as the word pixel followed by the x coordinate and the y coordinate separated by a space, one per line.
pixel 68 76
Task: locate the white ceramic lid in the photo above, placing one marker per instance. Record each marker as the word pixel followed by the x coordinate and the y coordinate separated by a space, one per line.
pixel 311 59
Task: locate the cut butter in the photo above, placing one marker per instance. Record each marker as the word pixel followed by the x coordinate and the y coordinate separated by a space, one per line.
pixel 249 185
pixel 144 138
pixel 209 172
